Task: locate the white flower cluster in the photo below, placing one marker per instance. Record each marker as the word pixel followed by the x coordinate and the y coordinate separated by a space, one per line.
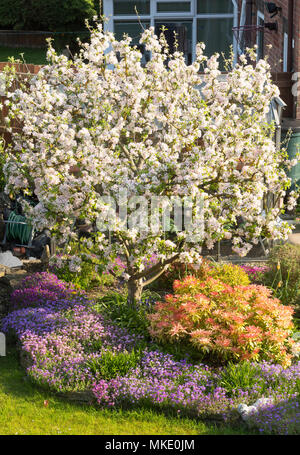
pixel 91 131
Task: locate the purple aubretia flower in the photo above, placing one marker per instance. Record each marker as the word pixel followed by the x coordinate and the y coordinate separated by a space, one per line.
pixel 63 337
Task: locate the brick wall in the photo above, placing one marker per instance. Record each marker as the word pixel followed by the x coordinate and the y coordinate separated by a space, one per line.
pixel 22 70
pixel 276 39
pixel 22 67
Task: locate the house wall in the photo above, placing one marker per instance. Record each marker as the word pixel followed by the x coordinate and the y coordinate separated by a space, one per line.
pixel 276 53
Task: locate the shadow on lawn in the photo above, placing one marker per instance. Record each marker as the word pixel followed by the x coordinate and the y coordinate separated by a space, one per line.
pixel 16 385
pixel 13 378
pixel 15 382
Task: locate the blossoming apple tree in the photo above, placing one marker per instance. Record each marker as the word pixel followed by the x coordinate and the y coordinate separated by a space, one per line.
pixel 106 124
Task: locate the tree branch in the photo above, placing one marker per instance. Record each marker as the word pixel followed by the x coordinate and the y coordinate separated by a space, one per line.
pixel 150 280
pixel 156 267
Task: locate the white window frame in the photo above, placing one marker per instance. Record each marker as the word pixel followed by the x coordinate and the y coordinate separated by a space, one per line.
pixel 153 16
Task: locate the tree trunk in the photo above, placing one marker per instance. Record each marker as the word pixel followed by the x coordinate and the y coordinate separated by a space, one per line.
pixel 135 288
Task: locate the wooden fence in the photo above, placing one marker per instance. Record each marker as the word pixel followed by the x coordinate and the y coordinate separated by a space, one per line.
pixel 17 39
pixel 37 39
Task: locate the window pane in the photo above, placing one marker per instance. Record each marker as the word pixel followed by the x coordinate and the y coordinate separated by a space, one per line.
pixel 127 7
pixel 217 35
pixel 184 34
pixel 214 6
pixel 165 7
pixel 133 29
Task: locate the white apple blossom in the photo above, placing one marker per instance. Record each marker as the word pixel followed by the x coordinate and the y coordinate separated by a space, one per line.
pixel 90 131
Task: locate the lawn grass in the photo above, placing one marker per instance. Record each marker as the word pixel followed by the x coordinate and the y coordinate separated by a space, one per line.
pixel 34 56
pixel 23 412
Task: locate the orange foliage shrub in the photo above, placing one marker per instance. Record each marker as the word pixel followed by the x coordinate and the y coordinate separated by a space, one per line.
pixel 225 322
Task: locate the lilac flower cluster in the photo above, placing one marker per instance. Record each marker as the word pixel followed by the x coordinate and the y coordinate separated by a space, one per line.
pixel 163 382
pixel 61 359
pixel 41 289
pixel 60 343
pixel 256 271
pixel 193 389
pixel 63 338
pixel 282 418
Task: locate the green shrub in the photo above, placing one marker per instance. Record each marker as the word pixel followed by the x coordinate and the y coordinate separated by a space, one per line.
pixel 243 376
pixel 50 15
pixel 112 364
pixel 288 256
pixel 229 273
pixel 89 272
pixel 283 276
pixel 86 279
pixel 115 307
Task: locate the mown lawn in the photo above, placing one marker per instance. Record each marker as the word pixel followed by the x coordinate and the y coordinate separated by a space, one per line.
pixel 35 56
pixel 23 412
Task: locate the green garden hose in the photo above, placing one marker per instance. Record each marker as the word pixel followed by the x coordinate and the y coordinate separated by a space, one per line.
pixel 16 231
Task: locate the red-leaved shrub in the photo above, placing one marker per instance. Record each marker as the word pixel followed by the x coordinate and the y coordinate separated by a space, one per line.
pixel 225 322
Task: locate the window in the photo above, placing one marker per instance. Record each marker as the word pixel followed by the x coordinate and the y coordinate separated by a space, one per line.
pixel 216 34
pixel 285 52
pixel 134 30
pixel 131 28
pixel 210 21
pixel 175 7
pixel 214 6
pixel 183 30
pixel 260 36
pixel 127 7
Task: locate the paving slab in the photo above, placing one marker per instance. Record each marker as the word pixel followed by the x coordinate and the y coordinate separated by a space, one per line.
pixel 294 239
pixel 9 260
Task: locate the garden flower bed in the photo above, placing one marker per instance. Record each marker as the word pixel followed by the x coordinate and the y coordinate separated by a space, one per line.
pixel 69 347
pixel 215 345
